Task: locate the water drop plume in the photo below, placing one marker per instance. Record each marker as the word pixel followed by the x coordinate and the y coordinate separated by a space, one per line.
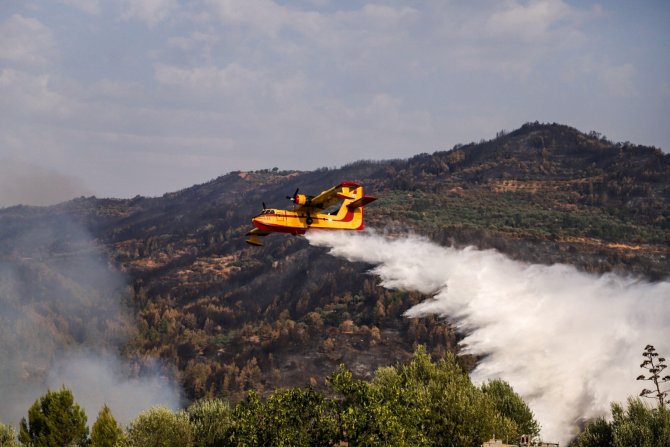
pixel 567 341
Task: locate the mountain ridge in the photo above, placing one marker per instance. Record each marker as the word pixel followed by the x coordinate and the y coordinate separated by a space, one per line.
pixel 227 316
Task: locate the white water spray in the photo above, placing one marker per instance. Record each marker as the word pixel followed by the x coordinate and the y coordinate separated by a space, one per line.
pixel 568 342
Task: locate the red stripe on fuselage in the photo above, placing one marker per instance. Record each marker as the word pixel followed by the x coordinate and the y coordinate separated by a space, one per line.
pixel 278 228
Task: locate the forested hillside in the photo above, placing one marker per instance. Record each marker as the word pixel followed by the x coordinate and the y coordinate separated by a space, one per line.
pixel 228 317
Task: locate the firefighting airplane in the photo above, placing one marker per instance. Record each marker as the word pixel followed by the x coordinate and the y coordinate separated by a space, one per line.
pixel 319 211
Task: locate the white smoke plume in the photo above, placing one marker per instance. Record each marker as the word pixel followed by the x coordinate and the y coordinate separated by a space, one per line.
pixel 30 184
pixel 103 378
pixel 567 341
pixel 62 323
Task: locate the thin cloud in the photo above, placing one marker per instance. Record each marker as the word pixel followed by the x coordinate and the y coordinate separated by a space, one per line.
pixel 222 80
pixel 384 79
pixel 31 95
pixel 88 6
pixel 530 21
pixel 25 42
pixel 264 16
pixel 150 11
pixel 619 80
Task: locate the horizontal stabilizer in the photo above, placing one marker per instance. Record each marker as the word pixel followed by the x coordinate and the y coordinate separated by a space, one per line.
pixel 361 202
pixel 344 196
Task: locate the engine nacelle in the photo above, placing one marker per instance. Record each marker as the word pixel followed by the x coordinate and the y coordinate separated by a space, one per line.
pixel 302 199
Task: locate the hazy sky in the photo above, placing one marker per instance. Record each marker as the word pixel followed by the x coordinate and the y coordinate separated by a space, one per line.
pixel 118 98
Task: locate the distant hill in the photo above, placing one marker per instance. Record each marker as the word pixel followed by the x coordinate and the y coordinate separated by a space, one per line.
pixel 229 316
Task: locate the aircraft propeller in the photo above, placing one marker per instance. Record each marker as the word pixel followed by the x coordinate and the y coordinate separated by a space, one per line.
pixel 264 207
pixel 295 196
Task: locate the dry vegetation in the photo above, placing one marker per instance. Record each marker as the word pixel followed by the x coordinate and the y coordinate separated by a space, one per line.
pixel 230 317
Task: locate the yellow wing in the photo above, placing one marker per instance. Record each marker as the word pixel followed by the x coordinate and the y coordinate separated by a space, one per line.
pixel 326 198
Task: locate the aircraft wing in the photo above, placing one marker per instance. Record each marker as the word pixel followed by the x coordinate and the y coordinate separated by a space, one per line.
pixel 328 197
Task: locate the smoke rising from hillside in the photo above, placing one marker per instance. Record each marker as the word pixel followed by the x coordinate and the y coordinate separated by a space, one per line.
pixel 568 342
pixel 103 378
pixel 62 323
pixel 29 184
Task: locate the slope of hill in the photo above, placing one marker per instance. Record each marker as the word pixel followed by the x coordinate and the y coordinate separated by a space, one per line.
pixel 228 316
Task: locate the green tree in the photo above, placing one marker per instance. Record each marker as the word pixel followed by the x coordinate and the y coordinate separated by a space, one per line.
pixel 106 432
pixel 597 433
pixel 510 405
pixel 210 422
pixel 293 417
pixel 8 436
pixel 458 413
pixel 423 403
pixel 364 417
pixel 244 431
pixel 54 420
pixel 637 425
pixel 160 427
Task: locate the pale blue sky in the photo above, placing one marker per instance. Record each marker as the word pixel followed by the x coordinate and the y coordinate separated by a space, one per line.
pixel 118 98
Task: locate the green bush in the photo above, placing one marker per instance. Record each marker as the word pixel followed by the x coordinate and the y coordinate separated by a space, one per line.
pixel 8 436
pixel 293 417
pixel 210 422
pixel 637 425
pixel 160 427
pixel 423 403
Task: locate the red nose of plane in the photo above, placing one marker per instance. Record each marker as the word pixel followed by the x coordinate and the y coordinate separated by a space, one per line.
pixel 258 221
